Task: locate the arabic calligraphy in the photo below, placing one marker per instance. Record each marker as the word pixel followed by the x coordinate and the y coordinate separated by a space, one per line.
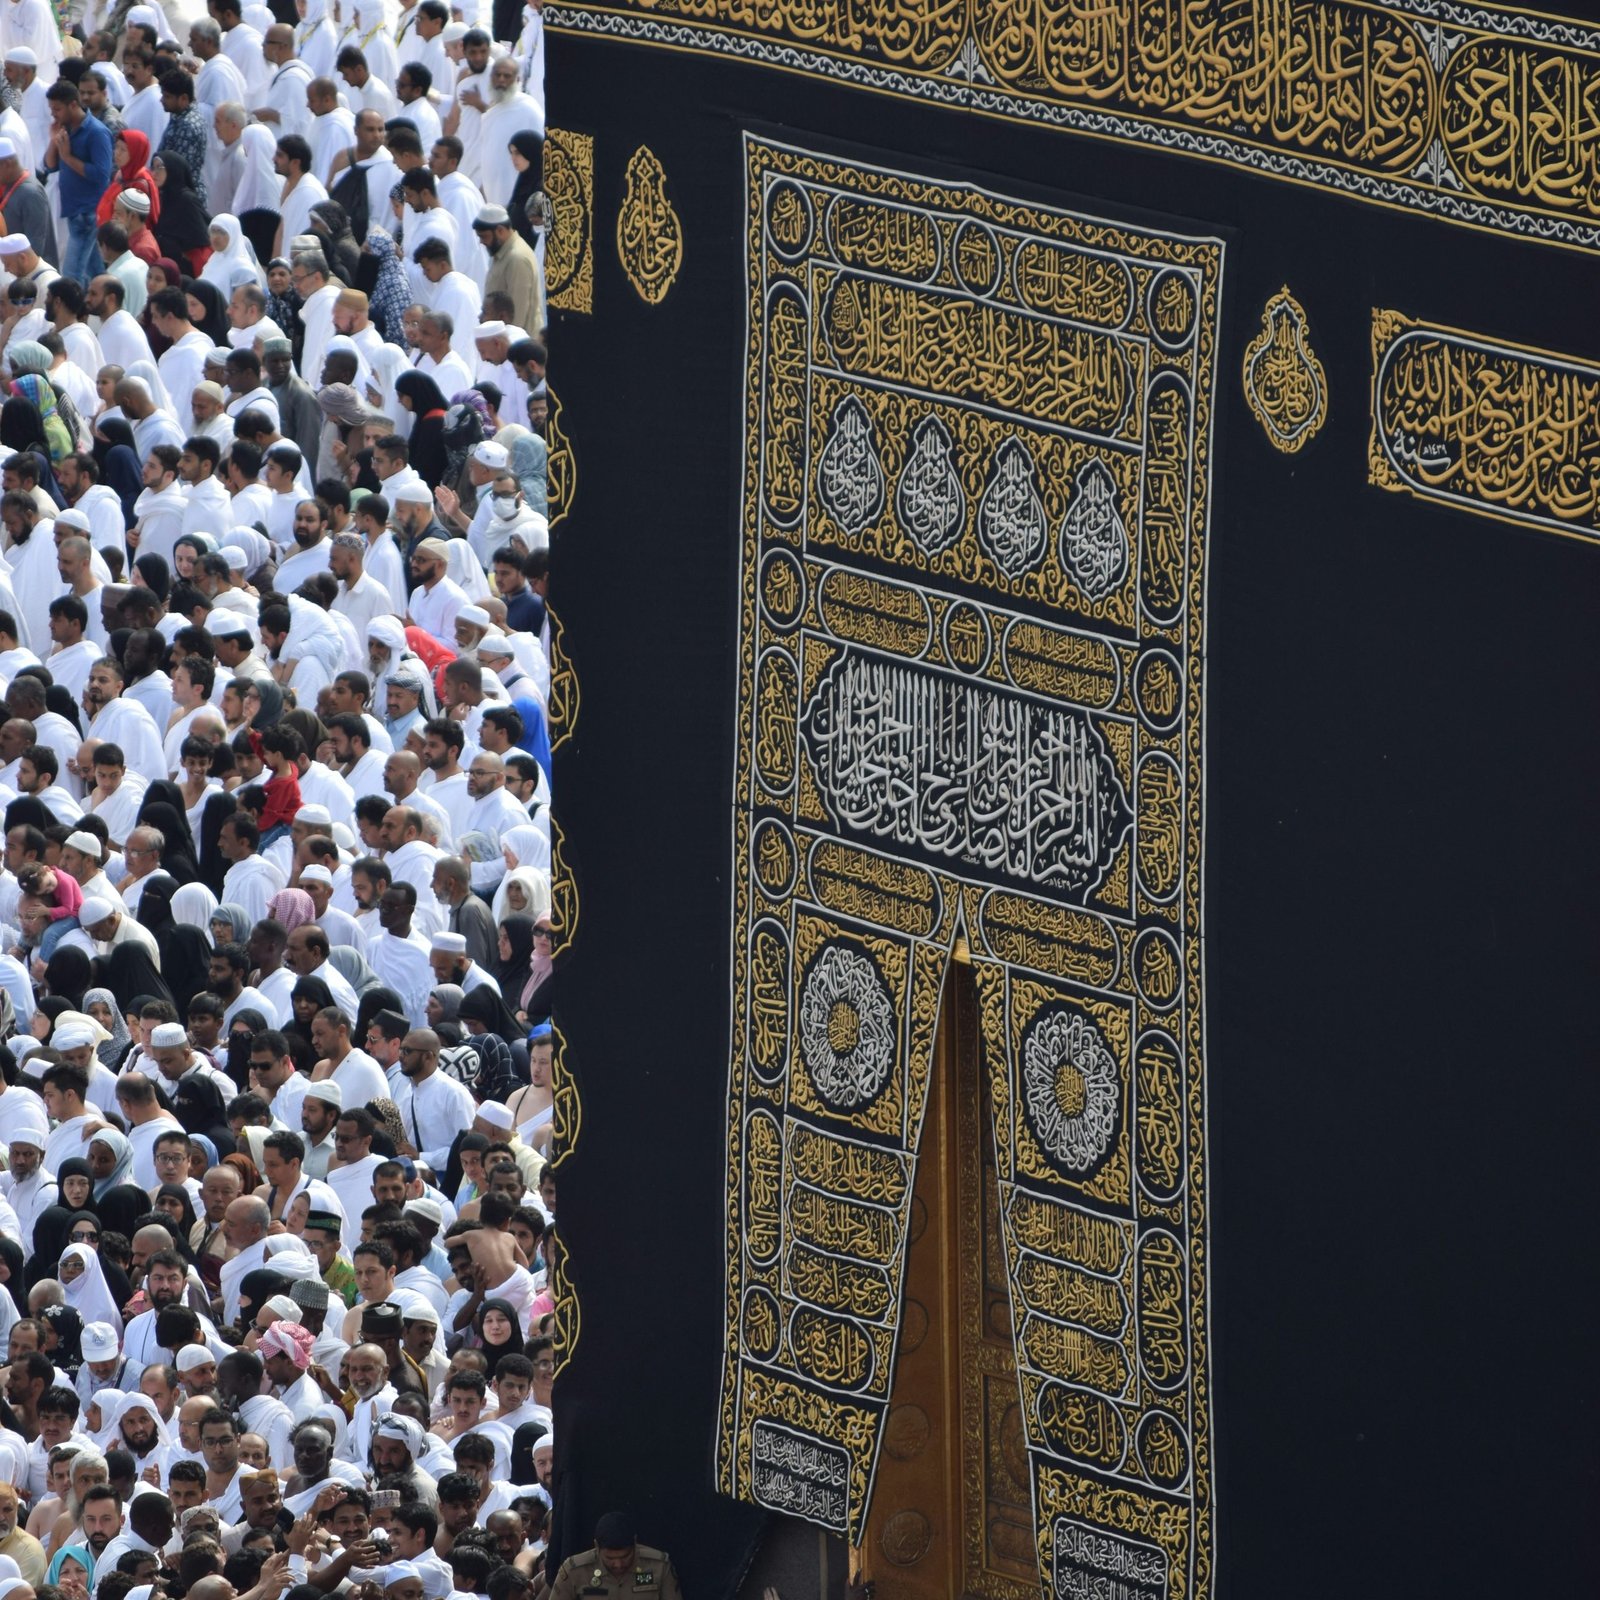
pixel 1444 108
pixel 1488 427
pixel 1283 379
pixel 569 241
pixel 962 771
pixel 649 234
pixel 972 572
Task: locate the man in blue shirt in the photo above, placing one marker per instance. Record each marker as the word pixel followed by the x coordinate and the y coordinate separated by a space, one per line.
pixel 79 155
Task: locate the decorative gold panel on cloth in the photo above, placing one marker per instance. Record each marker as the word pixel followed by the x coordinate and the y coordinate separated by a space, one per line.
pixel 974 526
pixel 1481 425
pixel 1487 118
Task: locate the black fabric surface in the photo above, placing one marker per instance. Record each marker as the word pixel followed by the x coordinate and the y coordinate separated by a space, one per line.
pixel 1400 865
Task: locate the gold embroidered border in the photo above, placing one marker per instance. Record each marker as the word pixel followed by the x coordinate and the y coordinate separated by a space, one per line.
pixel 1497 429
pixel 975 497
pixel 1484 118
pixel 569 250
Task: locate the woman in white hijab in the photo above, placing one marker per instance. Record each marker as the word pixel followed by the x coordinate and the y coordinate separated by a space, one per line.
pixel 533 886
pixel 527 846
pixel 85 1286
pixel 193 905
pixel 230 250
pixel 260 188
pixel 103 1404
pixel 152 381
pixel 388 362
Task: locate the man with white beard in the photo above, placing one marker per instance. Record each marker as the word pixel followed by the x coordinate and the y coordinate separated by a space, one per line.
pixel 510 111
pixel 218 81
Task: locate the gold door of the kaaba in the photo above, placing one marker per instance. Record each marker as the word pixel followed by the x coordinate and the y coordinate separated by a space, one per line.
pixel 951 1512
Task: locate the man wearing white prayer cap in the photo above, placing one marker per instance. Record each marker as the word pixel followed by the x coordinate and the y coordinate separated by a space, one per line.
pixel 29 73
pixel 109 925
pixel 26 1184
pixel 27 207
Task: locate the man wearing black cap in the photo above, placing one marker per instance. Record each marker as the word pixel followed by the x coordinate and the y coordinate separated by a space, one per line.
pixel 616 1565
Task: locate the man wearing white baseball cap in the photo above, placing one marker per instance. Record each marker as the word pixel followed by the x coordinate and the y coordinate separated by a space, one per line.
pixel 104 1365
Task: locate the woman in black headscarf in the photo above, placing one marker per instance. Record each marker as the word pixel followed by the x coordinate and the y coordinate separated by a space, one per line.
pixel 178 1205
pixel 490 1027
pixel 153 573
pixel 530 180
pixel 75 1178
pixel 213 869
pixel 454 1175
pixel 270 698
pixel 128 970
pixel 58 698
pixel 120 1210
pixel 12 1268
pixel 528 1434
pixel 242 1033
pixel 29 811
pixel 162 807
pixel 184 227
pixel 66 1327
pixel 119 463
pixel 422 397
pixel 515 963
pixel 308 997
pixel 371 1002
pixel 331 223
pixel 69 972
pixel 185 950
pixel 50 1229
pixel 206 298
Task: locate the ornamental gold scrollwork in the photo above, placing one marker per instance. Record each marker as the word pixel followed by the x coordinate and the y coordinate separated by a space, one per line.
pixel 561 466
pixel 1497 429
pixel 569 244
pixel 1455 111
pixel 973 529
pixel 649 233
pixel 1283 378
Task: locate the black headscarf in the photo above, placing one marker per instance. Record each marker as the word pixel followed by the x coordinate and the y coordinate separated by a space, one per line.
pixel 184 224
pixel 513 1345
pixel 50 1230
pixel 119 463
pixel 58 698
pixel 21 426
pixel 198 1105
pixel 426 442
pixel 69 972
pixel 530 147
pixel 214 325
pixel 12 1259
pixel 119 1211
pixel 528 1434
pixel 154 570
pixel 185 950
pixel 185 1225
pixel 67 1326
pixel 371 1002
pixel 28 810
pixel 331 223
pixel 270 695
pixel 241 1039
pixel 128 971
pixel 163 808
pixel 512 975
pixel 75 1167
pixel 307 989
pixel 213 869
pixel 483 1004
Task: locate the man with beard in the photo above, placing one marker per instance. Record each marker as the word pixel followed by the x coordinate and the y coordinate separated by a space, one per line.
pixel 101 1520
pixel 165 1285
pixel 370 1396
pixel 513 267
pixel 315 1465
pixel 225 973
pixel 509 111
pixel 15 1542
pixel 396 1446
pixel 144 1436
pixel 122 721
pixel 312 546
pixel 320 1107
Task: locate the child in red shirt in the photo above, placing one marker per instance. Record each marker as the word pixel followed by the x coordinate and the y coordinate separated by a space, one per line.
pixel 279 749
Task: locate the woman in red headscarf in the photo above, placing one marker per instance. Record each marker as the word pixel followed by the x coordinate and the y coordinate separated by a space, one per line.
pixel 131 152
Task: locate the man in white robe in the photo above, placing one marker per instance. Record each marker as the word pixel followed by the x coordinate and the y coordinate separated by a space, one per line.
pixel 452 294
pixel 510 111
pixel 398 952
pixel 31 25
pixel 120 719
pixel 251 880
pixel 332 127
pixel 122 338
pixel 281 104
pixel 218 80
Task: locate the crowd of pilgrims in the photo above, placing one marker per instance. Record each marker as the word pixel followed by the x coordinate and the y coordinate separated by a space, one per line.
pixel 276 1220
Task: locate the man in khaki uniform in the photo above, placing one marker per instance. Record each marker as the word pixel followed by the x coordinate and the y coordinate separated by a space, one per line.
pixel 617 1565
pixel 513 267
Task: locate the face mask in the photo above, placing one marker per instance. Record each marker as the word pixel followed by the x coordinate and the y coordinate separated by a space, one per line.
pixel 505 505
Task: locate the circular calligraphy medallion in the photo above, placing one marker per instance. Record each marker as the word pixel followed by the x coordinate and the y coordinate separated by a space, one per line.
pixel 966 637
pixel 789 220
pixel 1070 1089
pixel 1158 968
pixel 913 1326
pixel 906 1431
pixel 1170 305
pixel 906 1537
pixel 977 257
pixel 847 1031
pixel 1158 690
pixel 783 589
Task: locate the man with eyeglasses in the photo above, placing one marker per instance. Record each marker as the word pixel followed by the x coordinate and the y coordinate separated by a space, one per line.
pixel 350 1174
pixel 438 1107
pixel 141 1110
pixel 219 1445
pixel 172 1166
pixel 142 855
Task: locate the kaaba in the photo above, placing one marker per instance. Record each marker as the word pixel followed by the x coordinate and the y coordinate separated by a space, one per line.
pixel 1077 543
